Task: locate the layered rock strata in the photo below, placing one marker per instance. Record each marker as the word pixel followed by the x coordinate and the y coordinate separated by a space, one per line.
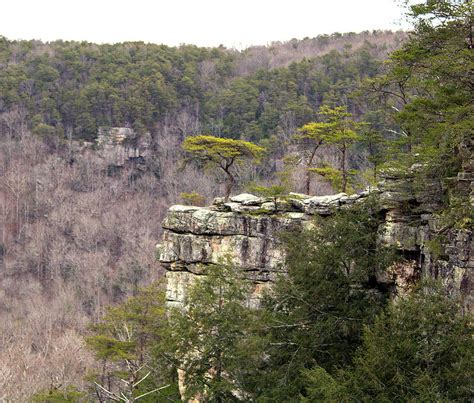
pixel 246 231
pixel 433 247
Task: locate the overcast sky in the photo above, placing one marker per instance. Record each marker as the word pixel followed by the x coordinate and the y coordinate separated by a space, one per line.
pixel 233 23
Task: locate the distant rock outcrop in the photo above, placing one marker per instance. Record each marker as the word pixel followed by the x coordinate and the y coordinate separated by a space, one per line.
pixel 122 145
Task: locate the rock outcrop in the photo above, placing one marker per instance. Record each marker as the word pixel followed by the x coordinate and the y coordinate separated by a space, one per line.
pixel 246 230
pixel 121 145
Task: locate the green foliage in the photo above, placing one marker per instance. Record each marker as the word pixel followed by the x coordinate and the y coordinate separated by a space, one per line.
pixel 309 139
pixel 419 349
pixel 435 246
pixel 338 129
pixel 193 198
pixel 60 395
pixel 322 334
pixel 216 149
pixel 429 82
pixel 315 315
pixel 322 387
pixel 374 143
pixel 315 131
pixel 222 153
pixel 210 335
pixel 81 86
pixel 332 175
pixel 109 348
pixel 124 341
pixel 459 215
pixel 44 130
pixel 339 126
pixel 274 192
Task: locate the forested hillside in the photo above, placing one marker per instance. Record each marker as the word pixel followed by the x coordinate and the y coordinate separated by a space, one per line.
pixel 318 115
pixel 72 88
pixel 76 238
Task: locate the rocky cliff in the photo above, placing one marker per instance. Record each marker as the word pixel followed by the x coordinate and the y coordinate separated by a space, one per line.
pixel 246 230
pixel 121 145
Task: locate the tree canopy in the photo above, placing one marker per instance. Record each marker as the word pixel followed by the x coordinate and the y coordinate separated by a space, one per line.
pixel 76 87
pixel 419 349
pixel 316 314
pixel 211 335
pixel 336 128
pixel 125 341
pixel 222 153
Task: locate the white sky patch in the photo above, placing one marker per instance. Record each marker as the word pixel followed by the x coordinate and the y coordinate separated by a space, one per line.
pixel 233 23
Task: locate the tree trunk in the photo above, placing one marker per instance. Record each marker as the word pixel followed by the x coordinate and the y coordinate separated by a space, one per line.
pixel 309 164
pixel 219 398
pixel 229 184
pixel 344 169
pixel 307 181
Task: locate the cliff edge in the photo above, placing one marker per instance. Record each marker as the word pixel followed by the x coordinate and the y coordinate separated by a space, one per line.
pixel 246 230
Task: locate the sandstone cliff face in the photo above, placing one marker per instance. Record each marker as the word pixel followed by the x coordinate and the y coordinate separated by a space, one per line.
pixel 246 230
pixel 432 249
pixel 120 145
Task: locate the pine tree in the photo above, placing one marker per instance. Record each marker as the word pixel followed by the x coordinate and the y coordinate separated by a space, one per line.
pixel 336 128
pixel 419 349
pixel 125 341
pixel 211 336
pixel 221 153
pixel 315 315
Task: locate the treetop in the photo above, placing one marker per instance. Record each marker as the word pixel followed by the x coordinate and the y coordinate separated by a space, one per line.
pixel 337 125
pixel 210 148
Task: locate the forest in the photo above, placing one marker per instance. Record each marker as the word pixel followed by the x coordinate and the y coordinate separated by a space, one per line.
pixel 82 300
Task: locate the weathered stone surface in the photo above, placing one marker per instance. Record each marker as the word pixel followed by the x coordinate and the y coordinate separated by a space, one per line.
pixel 120 145
pixel 400 235
pixel 246 199
pixel 325 200
pixel 248 253
pixel 246 231
pixel 299 195
pixel 204 221
pixel 412 226
pixel 402 275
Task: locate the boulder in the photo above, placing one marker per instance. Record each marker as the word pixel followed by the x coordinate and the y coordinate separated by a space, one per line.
pixel 246 198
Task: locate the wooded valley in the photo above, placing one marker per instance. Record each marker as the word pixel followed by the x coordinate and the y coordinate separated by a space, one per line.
pixel 82 203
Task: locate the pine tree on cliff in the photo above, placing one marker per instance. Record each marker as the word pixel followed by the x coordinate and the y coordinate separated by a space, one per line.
pixel 214 152
pixel 336 128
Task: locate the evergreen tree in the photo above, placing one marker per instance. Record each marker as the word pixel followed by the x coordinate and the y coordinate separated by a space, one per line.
pixel 309 139
pixel 336 128
pixel 225 154
pixel 429 83
pixel 210 336
pixel 419 349
pixel 124 341
pixel 315 315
